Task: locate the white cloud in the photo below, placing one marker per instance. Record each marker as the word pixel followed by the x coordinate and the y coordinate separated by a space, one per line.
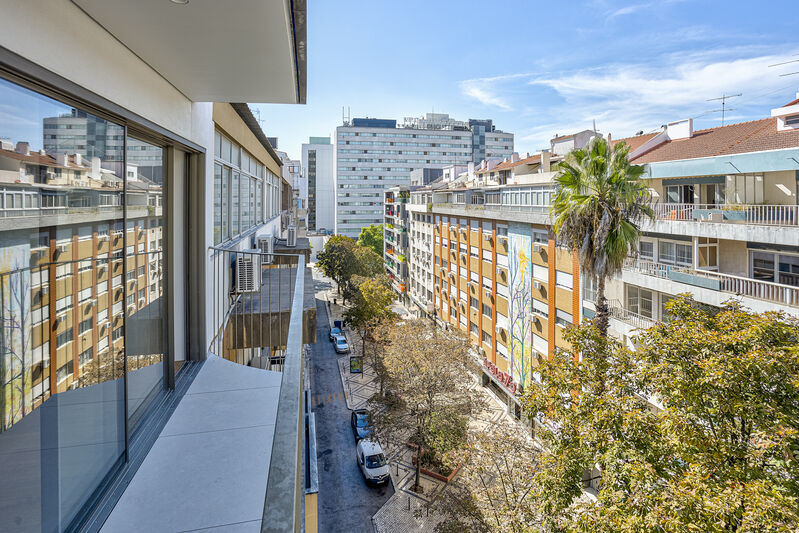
pixel 485 90
pixel 626 98
pixel 633 8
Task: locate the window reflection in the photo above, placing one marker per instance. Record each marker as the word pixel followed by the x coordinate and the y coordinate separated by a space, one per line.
pixel 68 269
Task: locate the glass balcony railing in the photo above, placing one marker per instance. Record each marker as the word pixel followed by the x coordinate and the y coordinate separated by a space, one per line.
pixel 258 311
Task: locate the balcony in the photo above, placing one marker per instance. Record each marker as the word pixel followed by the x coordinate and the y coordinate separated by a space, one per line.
pixel 769 215
pixel 233 446
pixel 713 287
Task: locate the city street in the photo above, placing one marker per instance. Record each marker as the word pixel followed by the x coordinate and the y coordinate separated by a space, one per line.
pixel 346 502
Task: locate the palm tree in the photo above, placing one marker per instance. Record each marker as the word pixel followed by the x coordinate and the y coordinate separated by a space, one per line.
pixel 599 203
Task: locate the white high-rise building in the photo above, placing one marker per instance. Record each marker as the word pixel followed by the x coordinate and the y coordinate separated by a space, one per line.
pixel 375 154
pixel 317 164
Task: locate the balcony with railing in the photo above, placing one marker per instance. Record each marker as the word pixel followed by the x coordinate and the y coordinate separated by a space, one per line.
pixel 235 440
pixel 758 294
pixel 768 215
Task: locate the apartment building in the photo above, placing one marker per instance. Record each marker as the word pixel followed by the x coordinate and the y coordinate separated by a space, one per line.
pixel 375 154
pixel 726 224
pixel 120 184
pixel 317 164
pixel 726 217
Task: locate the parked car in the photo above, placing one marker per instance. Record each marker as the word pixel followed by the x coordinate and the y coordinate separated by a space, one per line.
pixel 340 344
pixel 361 424
pixel 372 461
pixel 334 332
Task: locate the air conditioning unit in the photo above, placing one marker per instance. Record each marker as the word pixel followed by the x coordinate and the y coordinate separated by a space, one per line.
pixel 469 284
pixel 489 294
pixel 291 238
pixel 103 238
pixel 538 248
pixel 248 269
pixel 266 245
pixel 537 285
pixel 487 237
pixel 141 302
pixel 45 290
pixel 39 254
pixel 503 240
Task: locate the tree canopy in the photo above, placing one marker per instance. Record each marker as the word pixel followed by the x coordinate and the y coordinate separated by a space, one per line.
pixel 371 237
pixel 599 203
pixel 427 371
pixel 716 447
pixel 342 259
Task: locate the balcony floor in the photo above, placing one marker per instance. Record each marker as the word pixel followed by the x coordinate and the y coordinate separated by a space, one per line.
pixel 209 466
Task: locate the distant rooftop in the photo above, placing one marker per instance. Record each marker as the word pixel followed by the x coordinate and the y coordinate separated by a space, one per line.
pixel 318 140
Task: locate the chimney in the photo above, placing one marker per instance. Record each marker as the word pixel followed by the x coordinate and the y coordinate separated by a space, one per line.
pixel 23 148
pixel 62 159
pixel 5 145
pixel 78 160
pixel 682 129
pixel 95 168
pixel 545 161
pixel 514 157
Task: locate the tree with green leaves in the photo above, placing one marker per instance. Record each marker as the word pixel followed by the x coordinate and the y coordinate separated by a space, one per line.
pixel 337 260
pixel 428 385
pixel 600 202
pixel 695 430
pixel 371 237
pixel 370 308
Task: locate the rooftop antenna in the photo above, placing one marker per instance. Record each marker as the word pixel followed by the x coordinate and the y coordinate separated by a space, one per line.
pixel 723 99
pixel 258 112
pixel 594 120
pixel 785 63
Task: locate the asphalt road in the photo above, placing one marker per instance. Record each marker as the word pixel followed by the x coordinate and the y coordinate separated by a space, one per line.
pixel 345 503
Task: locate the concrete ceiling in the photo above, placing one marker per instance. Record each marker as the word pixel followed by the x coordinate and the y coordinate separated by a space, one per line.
pixel 215 50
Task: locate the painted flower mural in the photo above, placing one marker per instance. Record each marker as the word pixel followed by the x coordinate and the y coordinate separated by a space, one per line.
pixel 520 243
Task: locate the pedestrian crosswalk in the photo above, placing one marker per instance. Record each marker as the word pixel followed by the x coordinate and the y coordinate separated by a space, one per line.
pixel 318 399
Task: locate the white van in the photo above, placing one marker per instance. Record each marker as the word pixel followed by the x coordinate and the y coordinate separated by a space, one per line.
pixel 371 461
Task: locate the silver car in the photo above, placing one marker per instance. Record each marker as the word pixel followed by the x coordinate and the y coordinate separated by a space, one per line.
pixel 340 344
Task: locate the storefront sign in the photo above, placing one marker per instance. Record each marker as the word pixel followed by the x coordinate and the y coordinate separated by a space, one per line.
pixel 501 376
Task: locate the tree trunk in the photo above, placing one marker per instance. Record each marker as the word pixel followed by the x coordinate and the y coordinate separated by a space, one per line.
pixel 416 485
pixel 602 319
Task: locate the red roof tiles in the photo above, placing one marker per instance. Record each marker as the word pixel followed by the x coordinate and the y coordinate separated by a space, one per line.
pixel 754 136
pixel 634 142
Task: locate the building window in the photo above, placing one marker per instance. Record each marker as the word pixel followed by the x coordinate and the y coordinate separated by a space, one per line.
pixel 473 303
pixel 474 329
pixel 486 338
pixel 85 356
pixel 85 326
pixel 562 318
pixel 639 301
pixel 487 311
pixel 64 338
pixel 646 250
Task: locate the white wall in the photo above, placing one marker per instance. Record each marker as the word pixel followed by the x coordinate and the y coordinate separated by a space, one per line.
pixel 57 35
pixel 325 183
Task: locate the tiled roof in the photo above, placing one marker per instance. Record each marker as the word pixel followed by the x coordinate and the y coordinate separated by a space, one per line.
pixel 789 104
pixel 755 136
pixel 634 142
pixel 510 164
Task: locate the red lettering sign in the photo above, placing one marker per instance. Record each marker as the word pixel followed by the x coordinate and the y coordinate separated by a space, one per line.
pixel 505 379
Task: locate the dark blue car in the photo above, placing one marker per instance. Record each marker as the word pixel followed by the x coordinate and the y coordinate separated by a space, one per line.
pixel 361 425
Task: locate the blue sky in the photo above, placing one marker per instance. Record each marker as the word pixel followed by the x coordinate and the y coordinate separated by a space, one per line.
pixel 541 68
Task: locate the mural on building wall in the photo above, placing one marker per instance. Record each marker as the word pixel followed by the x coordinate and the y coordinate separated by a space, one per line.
pixel 16 361
pixel 520 270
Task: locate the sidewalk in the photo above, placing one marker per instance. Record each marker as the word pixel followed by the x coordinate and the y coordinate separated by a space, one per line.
pixel 405 511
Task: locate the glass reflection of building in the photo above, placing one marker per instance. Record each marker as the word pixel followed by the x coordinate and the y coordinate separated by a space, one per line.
pixel 81 284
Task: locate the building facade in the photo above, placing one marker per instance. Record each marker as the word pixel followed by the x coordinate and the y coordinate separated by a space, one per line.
pixel 725 228
pixel 375 154
pixel 120 181
pixel 317 164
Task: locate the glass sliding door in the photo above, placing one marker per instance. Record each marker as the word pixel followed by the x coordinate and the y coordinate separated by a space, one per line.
pixel 82 291
pixel 145 318
pixel 62 411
